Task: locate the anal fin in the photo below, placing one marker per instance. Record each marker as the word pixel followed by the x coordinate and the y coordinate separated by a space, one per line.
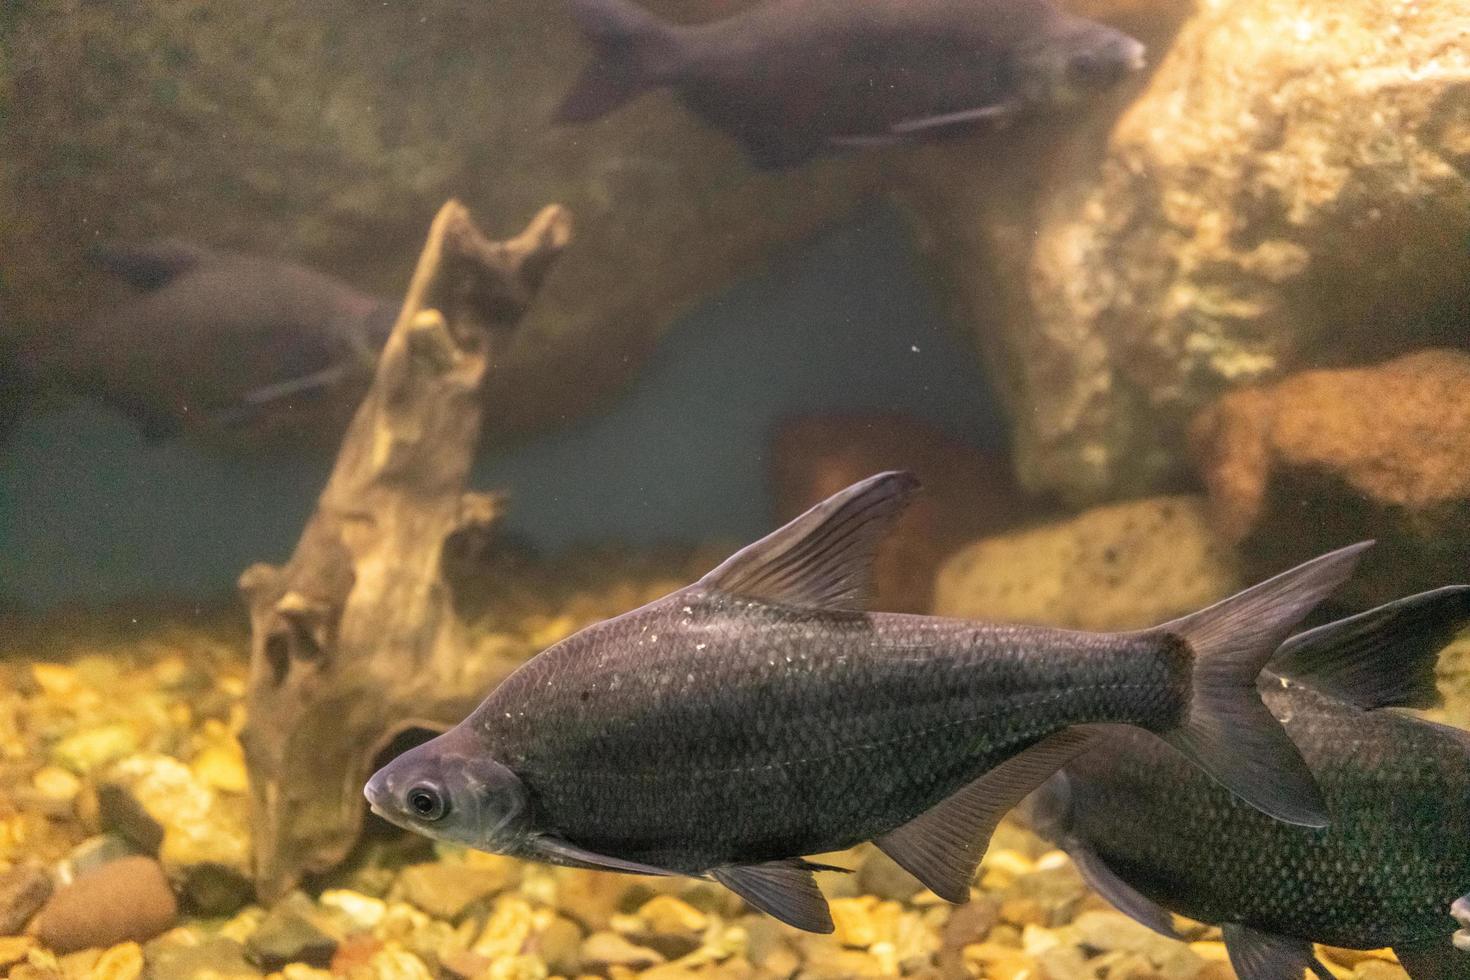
pixel 943 846
pixel 785 890
pixel 1259 955
pixel 1124 897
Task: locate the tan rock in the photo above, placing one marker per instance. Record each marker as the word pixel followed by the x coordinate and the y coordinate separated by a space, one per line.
pixel 1121 566
pixel 128 899
pixel 1325 458
pixel 1291 186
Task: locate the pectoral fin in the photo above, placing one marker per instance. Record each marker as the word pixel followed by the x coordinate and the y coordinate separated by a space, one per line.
pixel 785 890
pixel 1262 956
pixel 965 117
pixel 554 850
pixel 943 846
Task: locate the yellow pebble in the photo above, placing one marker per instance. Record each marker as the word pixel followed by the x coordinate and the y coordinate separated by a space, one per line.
pixel 1209 950
pixel 670 915
pixel 123 962
pixel 55 680
pixel 222 766
pixel 55 783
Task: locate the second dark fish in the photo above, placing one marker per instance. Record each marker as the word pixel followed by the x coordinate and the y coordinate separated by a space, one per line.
pixel 1150 834
pixel 216 337
pixel 760 715
pixel 796 79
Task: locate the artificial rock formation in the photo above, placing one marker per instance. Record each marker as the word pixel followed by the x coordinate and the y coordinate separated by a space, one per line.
pixel 1325 458
pixel 355 640
pixel 1290 188
pixel 1121 566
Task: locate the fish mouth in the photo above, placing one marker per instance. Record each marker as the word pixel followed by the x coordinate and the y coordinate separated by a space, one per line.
pixel 1461 911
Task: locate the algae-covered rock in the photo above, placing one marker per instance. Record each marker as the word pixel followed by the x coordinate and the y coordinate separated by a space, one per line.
pixel 1325 458
pixel 1121 566
pixel 334 131
pixel 1291 187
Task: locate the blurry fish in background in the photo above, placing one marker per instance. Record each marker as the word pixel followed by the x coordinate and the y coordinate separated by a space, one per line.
pixel 797 79
pixel 215 338
pixel 1150 833
pixel 761 715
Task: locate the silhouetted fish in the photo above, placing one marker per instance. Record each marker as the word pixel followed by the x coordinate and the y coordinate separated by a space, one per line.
pixel 1150 833
pixel 794 79
pixel 760 715
pixel 217 336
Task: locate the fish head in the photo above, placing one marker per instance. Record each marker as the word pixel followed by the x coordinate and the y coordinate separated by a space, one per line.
pixel 452 790
pixel 1079 60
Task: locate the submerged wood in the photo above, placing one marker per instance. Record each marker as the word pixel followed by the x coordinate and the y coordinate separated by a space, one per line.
pixel 355 639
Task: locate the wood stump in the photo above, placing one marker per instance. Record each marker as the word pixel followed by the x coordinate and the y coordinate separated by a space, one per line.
pixel 355 640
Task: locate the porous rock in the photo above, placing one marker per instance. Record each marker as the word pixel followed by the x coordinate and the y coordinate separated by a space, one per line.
pixel 1325 458
pixel 1120 566
pixel 966 493
pixel 1290 187
pixel 128 899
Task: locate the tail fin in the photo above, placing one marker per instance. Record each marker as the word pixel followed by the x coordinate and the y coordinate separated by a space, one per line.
pixel 1384 657
pixel 1230 734
pixel 635 51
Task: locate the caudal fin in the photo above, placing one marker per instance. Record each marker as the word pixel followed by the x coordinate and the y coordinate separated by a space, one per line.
pixel 1229 733
pixel 1381 658
pixel 635 51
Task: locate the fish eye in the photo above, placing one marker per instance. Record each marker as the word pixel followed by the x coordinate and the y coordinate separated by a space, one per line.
pixel 426 802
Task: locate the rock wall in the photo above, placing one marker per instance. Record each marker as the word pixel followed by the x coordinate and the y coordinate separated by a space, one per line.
pixel 1291 188
pixel 332 134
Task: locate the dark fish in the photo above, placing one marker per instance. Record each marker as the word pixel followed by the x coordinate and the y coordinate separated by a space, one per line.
pixel 795 79
pixel 1150 833
pixel 217 337
pixel 760 715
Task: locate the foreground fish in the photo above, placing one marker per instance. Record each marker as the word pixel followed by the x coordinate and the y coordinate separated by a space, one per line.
pixel 217 337
pixel 1151 834
pixel 759 715
pixel 794 79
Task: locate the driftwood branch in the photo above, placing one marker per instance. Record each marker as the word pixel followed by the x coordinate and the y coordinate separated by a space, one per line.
pixel 356 638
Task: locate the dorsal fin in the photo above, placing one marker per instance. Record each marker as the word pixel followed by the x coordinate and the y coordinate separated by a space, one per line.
pixel 150 265
pixel 824 558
